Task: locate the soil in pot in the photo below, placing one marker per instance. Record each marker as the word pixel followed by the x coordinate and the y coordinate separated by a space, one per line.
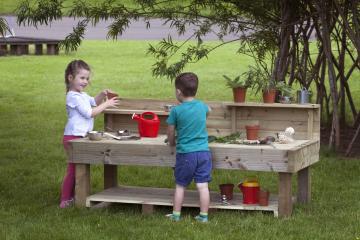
pixel 227 189
pixel 269 96
pixel 252 132
pixel 239 94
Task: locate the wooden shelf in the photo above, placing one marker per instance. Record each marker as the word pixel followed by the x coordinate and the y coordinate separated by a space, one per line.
pixel 130 111
pixel 164 197
pixel 271 105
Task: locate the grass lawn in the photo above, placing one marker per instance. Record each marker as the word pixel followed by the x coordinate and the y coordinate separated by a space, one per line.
pixel 9 6
pixel 32 161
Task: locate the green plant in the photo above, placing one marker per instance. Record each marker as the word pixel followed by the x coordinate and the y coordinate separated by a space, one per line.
pixel 237 82
pixel 262 82
pixel 284 88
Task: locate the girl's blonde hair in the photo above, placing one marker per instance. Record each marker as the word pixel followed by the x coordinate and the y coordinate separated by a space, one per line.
pixel 72 69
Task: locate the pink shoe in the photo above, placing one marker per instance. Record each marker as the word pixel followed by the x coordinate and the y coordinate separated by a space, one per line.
pixel 67 203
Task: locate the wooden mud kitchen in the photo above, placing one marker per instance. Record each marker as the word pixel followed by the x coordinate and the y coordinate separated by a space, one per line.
pixel 225 118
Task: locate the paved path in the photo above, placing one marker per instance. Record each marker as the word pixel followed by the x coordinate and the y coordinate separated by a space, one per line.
pixel 137 30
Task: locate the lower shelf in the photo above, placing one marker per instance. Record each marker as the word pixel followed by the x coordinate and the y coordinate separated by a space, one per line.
pixel 164 197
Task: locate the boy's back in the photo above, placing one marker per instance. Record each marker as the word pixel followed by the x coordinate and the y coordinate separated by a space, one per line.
pixel 189 119
pixel 193 158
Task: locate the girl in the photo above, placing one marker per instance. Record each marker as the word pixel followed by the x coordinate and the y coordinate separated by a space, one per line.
pixel 81 110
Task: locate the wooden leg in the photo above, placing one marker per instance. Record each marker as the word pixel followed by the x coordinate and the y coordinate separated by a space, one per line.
pixel 38 49
pixel 285 198
pixel 304 186
pixel 3 50
pixel 110 176
pixel 19 50
pixel 52 49
pixel 82 184
pixel 147 209
pixel 109 122
pixel 25 49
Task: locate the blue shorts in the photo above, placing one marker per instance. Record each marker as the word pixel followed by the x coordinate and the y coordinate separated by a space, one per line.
pixel 194 165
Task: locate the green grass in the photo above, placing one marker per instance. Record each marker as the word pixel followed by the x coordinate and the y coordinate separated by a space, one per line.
pixel 32 117
pixel 9 6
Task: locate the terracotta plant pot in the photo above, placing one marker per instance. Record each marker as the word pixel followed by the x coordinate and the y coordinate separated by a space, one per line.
pixel 111 95
pixel 263 197
pixel 252 132
pixel 239 94
pixel 269 96
pixel 227 189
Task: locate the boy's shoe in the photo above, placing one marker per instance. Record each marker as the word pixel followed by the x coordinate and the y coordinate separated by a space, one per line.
pixel 173 217
pixel 200 218
pixel 67 203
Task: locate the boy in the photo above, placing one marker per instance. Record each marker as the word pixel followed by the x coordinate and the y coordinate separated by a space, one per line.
pixel 193 158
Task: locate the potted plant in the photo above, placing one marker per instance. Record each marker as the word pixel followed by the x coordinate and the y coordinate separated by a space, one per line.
pixel 252 130
pixel 239 86
pixel 286 92
pixel 268 86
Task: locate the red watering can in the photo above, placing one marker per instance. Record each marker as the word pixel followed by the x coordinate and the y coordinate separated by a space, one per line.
pixel 250 189
pixel 148 124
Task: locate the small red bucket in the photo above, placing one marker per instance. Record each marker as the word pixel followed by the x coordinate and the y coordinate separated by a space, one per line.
pixel 250 190
pixel 148 124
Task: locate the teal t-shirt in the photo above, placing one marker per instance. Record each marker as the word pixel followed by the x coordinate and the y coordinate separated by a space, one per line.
pixel 189 119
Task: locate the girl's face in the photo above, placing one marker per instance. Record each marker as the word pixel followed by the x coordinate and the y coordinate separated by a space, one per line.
pixel 80 81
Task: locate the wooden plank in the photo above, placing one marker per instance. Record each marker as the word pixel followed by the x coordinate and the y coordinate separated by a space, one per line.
pixel 304 185
pixel 272 119
pixel 132 111
pixel 109 123
pixel 154 152
pixel 233 120
pixel 164 197
pixel 310 124
pixel 110 176
pixel 15 40
pixel 271 105
pixel 82 184
pixel 304 155
pixel 278 114
pixel 285 201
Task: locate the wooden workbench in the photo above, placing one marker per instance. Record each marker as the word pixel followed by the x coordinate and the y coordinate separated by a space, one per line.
pixel 283 159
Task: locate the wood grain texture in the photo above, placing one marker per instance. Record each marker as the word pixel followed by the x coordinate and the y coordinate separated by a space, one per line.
pixel 110 176
pixel 304 185
pixel 154 152
pixel 82 184
pixel 285 199
pixel 149 196
pixel 273 118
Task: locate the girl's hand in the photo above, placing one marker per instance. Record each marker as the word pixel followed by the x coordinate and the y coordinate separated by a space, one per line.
pixel 113 102
pixel 104 92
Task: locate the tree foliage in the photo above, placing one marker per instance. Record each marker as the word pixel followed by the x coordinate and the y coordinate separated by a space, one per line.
pixel 276 33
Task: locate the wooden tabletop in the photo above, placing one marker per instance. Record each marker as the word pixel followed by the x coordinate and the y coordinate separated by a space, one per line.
pixel 27 40
pixel 154 152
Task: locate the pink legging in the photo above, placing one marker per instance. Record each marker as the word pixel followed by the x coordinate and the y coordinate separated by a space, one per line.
pixel 68 185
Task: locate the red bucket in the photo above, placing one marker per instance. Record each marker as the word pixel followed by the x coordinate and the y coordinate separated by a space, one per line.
pixel 148 124
pixel 250 190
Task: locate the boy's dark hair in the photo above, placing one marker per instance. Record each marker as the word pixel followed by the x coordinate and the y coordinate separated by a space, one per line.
pixel 187 83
